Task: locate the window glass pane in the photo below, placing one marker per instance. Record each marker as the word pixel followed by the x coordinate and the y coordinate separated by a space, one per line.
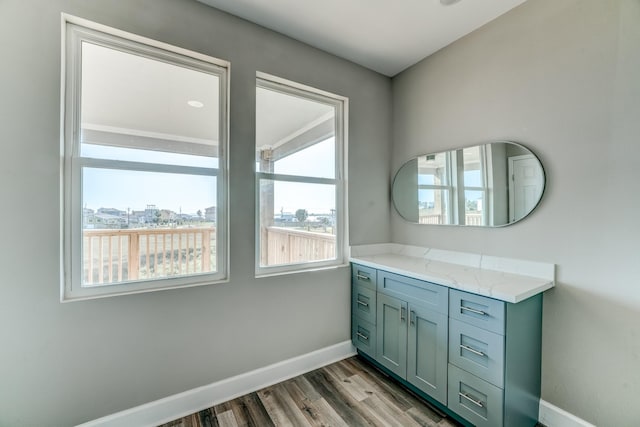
pixel 297 222
pixel 473 206
pixel 432 169
pixel 433 206
pixel 146 225
pixel 473 175
pixel 317 160
pixel 131 101
pixel 294 135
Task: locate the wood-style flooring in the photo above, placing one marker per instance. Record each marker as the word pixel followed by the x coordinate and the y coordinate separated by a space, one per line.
pixel 346 393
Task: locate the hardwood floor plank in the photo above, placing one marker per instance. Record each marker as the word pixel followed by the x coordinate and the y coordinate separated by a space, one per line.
pixel 423 418
pixel 239 410
pixel 207 418
pixel 281 407
pixel 306 387
pixel 378 383
pixel 227 419
pixel 389 413
pixel 339 399
pixel 306 406
pixel 356 391
pixel 329 415
pixel 258 415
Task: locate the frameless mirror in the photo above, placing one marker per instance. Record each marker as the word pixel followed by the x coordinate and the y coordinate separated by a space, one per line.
pixel 491 185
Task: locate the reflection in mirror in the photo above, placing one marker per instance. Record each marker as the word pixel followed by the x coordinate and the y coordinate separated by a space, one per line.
pixel 491 185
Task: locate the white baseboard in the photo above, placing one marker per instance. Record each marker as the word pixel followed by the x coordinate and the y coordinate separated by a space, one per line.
pixel 552 416
pixel 191 401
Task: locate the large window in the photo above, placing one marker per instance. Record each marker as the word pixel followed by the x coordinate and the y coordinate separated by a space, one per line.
pixel 144 165
pixel 300 183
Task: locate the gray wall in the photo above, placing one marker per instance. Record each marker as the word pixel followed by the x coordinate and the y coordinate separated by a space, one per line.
pixel 563 78
pixel 62 364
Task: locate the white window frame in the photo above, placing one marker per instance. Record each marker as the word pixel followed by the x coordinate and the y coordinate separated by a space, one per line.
pixel 341 105
pixel 75 31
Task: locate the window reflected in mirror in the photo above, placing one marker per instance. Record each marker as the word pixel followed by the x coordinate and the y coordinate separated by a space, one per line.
pixel 491 185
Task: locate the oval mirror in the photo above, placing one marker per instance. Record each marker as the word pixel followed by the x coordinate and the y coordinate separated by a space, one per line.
pixel 490 185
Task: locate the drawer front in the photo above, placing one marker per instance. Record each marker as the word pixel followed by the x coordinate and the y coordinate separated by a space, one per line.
pixel 475 400
pixel 363 276
pixel 363 303
pixel 435 297
pixel 363 336
pixel 483 312
pixel 477 351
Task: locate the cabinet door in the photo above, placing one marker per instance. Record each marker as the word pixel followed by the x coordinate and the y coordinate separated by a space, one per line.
pixel 427 351
pixel 392 334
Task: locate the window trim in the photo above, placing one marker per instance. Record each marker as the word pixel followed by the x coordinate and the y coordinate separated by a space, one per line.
pixel 75 31
pixel 341 105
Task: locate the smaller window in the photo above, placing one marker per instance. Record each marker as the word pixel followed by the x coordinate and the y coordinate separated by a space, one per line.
pixel 434 189
pixel 300 183
pixel 144 165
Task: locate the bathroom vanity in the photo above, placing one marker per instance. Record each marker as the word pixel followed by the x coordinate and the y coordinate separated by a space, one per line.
pixel 461 330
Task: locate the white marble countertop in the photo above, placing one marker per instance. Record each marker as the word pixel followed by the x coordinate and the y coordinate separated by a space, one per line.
pixel 505 279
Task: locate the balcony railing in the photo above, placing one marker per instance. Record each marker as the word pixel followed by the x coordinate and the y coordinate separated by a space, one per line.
pixel 112 256
pixel 470 219
pixel 287 246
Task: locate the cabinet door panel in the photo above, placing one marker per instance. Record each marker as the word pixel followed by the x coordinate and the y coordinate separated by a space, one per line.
pixel 363 276
pixel 363 336
pixel 363 303
pixel 427 352
pixel 392 334
pixel 475 400
pixel 477 310
pixel 477 351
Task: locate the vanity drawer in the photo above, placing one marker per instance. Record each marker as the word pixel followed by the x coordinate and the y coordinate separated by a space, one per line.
pixel 363 336
pixel 363 276
pixel 434 297
pixel 477 310
pixel 363 303
pixel 475 400
pixel 477 351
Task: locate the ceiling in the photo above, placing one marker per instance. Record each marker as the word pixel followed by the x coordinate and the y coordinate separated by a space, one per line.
pixel 387 36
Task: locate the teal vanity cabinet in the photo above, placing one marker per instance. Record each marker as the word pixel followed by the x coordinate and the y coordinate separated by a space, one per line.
pixel 474 357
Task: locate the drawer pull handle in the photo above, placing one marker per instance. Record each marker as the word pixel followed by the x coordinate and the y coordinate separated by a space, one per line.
pixel 364 337
pixel 363 277
pixel 472 400
pixel 473 310
pixel 403 315
pixel 412 317
pixel 366 304
pixel 472 350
